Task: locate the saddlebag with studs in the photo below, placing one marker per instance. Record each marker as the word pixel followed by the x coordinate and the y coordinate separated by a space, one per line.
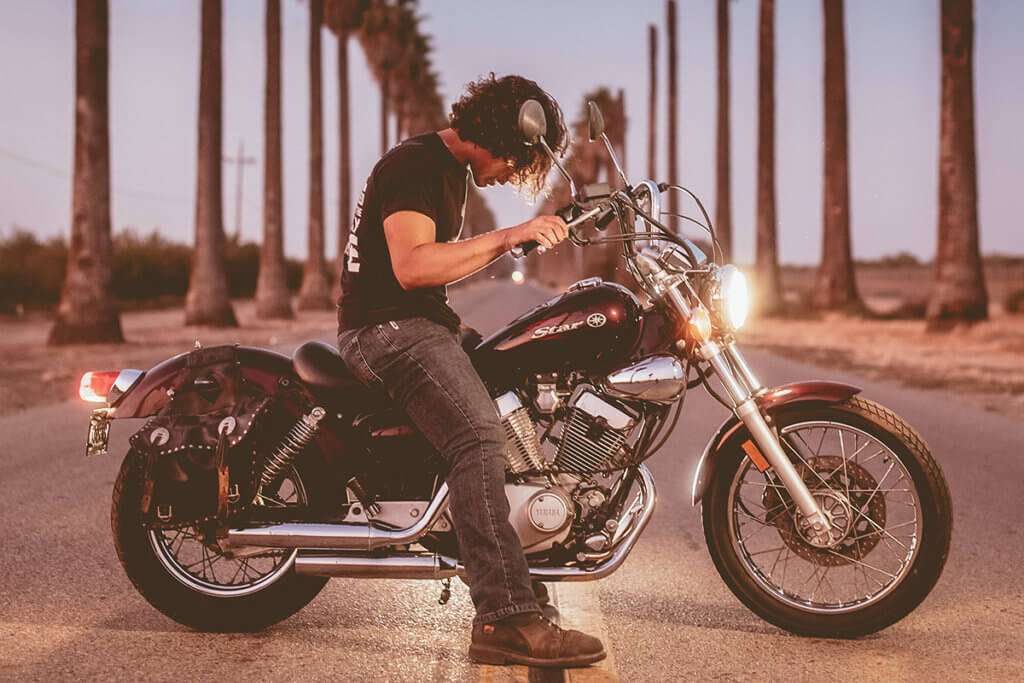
pixel 192 456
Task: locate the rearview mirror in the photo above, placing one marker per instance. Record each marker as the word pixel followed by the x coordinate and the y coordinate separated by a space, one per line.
pixel 532 122
pixel 596 121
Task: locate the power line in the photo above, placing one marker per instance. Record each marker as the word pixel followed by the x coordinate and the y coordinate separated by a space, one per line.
pixel 64 175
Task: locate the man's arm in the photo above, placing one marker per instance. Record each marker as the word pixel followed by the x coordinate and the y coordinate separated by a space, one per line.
pixel 419 261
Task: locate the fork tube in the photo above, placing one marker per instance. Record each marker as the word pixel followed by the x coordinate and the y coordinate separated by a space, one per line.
pixel 747 410
pixel 743 369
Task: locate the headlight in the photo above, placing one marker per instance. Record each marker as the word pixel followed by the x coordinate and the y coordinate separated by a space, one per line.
pixel 732 296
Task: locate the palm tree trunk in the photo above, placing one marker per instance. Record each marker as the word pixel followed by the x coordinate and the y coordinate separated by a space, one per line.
pixel 769 286
pixel 316 289
pixel 673 139
pixel 87 312
pixel 836 286
pixel 723 190
pixel 385 107
pixel 958 292
pixel 272 297
pixel 207 301
pixel 652 103
pixel 344 161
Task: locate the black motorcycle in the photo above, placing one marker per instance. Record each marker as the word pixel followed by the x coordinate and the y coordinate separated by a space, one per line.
pixel 258 476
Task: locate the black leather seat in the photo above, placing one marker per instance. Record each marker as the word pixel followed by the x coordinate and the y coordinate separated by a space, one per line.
pixel 319 365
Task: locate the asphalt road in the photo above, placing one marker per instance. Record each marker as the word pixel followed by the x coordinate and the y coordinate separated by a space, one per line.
pixel 67 610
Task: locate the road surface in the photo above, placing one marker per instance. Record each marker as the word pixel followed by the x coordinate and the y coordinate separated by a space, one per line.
pixel 68 612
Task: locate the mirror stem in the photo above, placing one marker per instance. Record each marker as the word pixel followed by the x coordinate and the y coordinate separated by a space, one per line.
pixel 615 160
pixel 565 174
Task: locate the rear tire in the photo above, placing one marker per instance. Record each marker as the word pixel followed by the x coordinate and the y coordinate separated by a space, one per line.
pixel 277 600
pixel 913 584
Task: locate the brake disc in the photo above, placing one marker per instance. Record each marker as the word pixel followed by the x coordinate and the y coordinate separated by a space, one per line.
pixel 858 537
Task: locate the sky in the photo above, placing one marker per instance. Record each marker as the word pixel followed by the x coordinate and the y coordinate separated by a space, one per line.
pixel 893 65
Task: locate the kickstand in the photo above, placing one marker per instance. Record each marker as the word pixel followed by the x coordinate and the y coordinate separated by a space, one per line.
pixel 446 591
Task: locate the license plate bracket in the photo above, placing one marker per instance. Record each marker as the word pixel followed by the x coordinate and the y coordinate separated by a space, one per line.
pixel 99 433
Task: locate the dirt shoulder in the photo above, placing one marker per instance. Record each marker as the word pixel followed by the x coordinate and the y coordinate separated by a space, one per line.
pixel 35 374
pixel 983 363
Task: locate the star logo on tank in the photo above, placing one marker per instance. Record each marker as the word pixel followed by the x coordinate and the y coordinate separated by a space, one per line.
pixel 596 320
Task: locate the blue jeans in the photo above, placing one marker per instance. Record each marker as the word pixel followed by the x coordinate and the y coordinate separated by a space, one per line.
pixel 421 366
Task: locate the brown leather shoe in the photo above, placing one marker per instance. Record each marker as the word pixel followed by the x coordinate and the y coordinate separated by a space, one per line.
pixel 533 640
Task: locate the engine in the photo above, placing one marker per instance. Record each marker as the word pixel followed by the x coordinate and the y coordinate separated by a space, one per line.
pixel 551 504
pixel 594 434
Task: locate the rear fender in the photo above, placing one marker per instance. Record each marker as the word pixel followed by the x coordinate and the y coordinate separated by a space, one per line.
pixel 267 369
pixel 732 431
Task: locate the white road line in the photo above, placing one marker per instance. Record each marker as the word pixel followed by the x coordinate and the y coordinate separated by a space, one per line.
pixel 580 609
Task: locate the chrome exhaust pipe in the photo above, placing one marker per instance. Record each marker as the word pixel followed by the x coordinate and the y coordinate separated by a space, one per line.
pixel 340 536
pixel 433 567
pixel 397 566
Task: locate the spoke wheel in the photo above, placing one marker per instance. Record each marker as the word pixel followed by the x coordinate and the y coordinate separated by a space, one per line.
pixel 191 555
pixel 889 508
pixel 183 573
pixel 865 491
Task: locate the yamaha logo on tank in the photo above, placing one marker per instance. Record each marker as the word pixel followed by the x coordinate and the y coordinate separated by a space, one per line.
pixel 596 320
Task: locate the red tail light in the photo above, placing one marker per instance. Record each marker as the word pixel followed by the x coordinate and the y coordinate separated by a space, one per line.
pixel 95 386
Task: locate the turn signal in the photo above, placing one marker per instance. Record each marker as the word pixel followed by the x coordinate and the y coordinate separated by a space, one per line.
pixel 95 386
pixel 700 324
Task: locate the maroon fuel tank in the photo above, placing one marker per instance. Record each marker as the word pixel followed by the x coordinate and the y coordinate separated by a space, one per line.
pixel 590 328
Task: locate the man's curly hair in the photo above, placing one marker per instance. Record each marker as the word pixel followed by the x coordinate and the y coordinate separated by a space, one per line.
pixel 488 115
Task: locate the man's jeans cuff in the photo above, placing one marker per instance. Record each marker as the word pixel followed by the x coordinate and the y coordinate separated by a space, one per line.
pixel 506 612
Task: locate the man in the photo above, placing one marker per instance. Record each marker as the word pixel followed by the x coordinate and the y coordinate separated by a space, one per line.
pixel 397 333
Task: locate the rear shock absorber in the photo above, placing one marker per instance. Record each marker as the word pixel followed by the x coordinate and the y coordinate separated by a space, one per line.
pixel 297 438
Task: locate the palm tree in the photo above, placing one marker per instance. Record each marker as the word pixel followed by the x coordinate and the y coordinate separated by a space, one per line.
pixel 87 312
pixel 723 191
pixel 769 287
pixel 958 292
pixel 273 299
pixel 207 301
pixel 316 289
pixel 343 17
pixel 652 102
pixel 673 144
pixel 836 286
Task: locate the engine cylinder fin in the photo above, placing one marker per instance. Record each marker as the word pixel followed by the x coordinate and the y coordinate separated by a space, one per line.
pixel 588 444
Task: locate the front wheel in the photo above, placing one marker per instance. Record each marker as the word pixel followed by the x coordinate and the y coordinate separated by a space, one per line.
pixel 888 503
pixel 187 577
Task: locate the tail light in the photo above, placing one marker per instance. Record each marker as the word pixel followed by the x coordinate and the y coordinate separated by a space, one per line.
pixel 107 387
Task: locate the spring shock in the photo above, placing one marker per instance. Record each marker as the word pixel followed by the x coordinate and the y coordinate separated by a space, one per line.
pixel 290 447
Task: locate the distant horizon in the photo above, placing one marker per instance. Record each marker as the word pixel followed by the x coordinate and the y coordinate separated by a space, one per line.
pixel 893 71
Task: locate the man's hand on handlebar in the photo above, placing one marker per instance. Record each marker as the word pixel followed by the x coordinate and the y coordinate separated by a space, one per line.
pixel 545 231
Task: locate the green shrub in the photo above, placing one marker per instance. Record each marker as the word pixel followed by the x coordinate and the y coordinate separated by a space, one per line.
pixel 148 271
pixel 1014 302
pixel 31 272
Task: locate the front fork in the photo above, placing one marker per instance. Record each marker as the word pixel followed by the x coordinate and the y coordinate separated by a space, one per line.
pixel 743 389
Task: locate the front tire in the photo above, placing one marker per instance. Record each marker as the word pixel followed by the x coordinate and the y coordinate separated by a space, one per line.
pixel 876 476
pixel 200 599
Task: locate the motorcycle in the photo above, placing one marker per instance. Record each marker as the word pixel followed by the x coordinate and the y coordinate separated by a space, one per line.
pixel 258 476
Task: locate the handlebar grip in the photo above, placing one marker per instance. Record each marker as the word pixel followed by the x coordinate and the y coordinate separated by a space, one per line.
pixel 566 213
pixel 521 250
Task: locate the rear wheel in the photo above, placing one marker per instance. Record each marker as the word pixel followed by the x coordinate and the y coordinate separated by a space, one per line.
pixel 888 503
pixel 192 581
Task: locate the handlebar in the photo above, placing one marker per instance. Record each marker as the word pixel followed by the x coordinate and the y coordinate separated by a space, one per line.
pixel 521 250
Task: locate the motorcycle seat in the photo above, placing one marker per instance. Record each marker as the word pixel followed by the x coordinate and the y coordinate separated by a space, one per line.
pixel 319 365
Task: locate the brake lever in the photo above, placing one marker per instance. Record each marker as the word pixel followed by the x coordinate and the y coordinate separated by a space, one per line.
pixel 521 250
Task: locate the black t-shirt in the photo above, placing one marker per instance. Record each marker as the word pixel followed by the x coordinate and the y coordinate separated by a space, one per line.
pixel 418 175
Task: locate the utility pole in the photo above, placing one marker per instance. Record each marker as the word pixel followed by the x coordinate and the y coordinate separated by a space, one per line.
pixel 241 161
pixel 673 94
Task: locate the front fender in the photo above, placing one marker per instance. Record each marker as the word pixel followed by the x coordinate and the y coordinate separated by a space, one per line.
pixel 149 394
pixel 813 391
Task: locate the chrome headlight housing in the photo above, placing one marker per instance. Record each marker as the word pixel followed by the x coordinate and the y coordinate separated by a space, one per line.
pixel 731 299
